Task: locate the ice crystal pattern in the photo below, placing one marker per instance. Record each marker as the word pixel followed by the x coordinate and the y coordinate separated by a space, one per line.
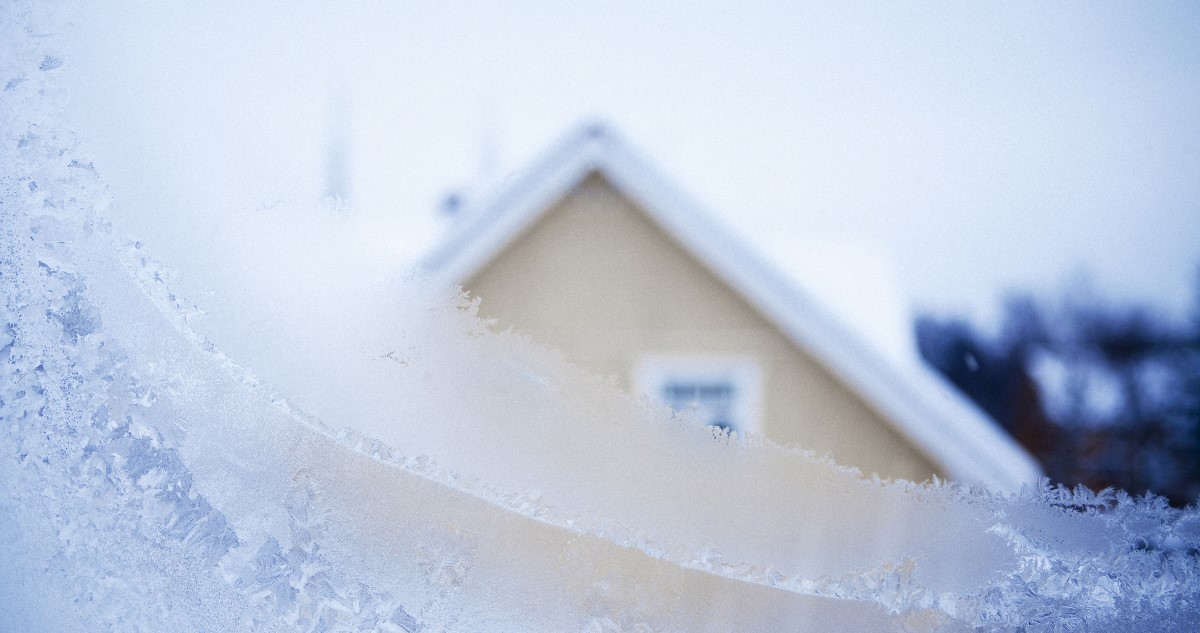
pixel 106 525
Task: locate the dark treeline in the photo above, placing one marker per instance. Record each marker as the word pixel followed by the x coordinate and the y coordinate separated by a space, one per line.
pixel 1102 395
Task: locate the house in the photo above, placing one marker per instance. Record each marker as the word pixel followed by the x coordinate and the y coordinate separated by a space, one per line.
pixel 592 252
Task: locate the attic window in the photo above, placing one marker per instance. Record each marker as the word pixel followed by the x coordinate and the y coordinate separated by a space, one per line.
pixel 717 390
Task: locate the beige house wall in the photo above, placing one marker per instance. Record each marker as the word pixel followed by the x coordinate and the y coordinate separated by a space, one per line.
pixel 597 279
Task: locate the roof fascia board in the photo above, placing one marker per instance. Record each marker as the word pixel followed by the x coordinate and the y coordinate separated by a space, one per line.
pixel 488 229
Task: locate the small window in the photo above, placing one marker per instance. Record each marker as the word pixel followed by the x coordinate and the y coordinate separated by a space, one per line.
pixel 719 391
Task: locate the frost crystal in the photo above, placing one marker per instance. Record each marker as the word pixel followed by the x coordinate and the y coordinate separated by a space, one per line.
pixel 480 484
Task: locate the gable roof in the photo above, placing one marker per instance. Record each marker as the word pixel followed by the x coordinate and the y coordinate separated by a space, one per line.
pixel 921 406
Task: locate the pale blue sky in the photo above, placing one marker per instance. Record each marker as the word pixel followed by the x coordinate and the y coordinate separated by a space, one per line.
pixel 987 145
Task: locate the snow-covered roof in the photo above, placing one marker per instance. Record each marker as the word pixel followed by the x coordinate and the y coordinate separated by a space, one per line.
pixel 926 410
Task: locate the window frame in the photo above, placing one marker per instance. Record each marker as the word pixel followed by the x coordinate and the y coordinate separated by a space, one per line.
pixel 743 373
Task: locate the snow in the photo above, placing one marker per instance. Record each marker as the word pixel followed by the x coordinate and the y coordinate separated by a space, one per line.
pixel 306 443
pixel 856 281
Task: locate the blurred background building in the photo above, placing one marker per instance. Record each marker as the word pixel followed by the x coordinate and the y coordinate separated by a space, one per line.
pixel 591 252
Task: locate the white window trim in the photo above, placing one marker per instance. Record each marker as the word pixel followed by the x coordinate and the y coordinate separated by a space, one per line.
pixel 743 372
